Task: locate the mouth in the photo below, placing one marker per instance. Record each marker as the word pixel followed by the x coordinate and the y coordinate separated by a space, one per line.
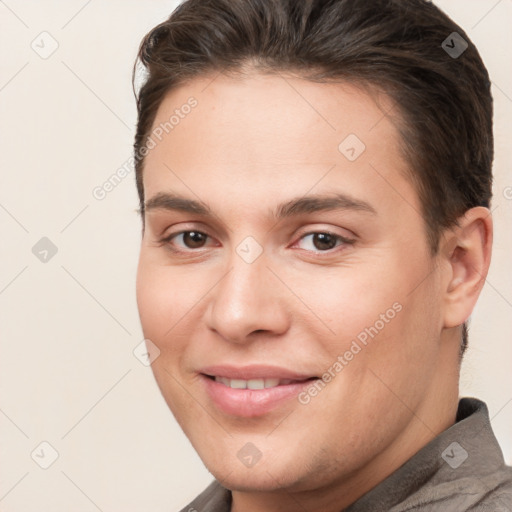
pixel 258 383
pixel 256 395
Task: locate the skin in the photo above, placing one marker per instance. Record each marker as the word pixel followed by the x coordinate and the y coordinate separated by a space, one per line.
pixel 249 145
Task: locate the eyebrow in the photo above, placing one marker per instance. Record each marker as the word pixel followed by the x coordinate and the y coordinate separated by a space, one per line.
pixel 293 207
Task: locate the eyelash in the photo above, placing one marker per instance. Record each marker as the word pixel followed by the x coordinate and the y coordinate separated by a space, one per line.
pixel 344 241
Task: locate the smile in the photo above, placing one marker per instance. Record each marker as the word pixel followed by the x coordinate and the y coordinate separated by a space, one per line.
pixel 251 391
pixel 255 383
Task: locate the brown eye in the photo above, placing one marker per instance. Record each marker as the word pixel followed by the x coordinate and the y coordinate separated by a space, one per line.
pixel 190 240
pixel 322 242
pixel 193 239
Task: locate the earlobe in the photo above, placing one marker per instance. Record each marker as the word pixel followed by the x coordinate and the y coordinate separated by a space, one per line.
pixel 468 253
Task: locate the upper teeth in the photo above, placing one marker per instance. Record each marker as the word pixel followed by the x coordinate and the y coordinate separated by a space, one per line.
pixel 252 383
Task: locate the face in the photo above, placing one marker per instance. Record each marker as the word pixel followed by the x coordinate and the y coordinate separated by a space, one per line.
pixel 283 249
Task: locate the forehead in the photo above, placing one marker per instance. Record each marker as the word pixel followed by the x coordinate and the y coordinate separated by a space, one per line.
pixel 271 133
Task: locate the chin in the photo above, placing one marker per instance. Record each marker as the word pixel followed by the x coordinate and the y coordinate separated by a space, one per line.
pixel 252 479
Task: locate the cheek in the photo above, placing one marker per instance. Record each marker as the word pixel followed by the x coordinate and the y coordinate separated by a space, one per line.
pixel 344 301
pixel 161 308
pixel 170 300
pixel 151 301
pixel 379 305
pixel 159 301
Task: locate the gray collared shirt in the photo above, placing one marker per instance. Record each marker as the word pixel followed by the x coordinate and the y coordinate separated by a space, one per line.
pixel 460 470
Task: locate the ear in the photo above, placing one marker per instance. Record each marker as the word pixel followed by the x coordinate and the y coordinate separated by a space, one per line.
pixel 466 250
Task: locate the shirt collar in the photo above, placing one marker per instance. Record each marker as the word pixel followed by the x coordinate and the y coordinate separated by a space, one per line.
pixel 454 455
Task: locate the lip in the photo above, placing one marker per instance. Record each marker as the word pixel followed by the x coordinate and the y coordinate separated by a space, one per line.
pixel 249 403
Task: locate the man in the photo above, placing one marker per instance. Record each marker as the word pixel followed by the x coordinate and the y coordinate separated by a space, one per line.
pixel 315 180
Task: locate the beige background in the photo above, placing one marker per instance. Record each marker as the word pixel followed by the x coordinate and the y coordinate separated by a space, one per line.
pixel 68 326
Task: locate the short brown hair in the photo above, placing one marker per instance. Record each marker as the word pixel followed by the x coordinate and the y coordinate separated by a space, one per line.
pixel 398 46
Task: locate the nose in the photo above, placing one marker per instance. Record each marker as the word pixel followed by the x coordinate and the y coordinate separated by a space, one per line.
pixel 248 301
